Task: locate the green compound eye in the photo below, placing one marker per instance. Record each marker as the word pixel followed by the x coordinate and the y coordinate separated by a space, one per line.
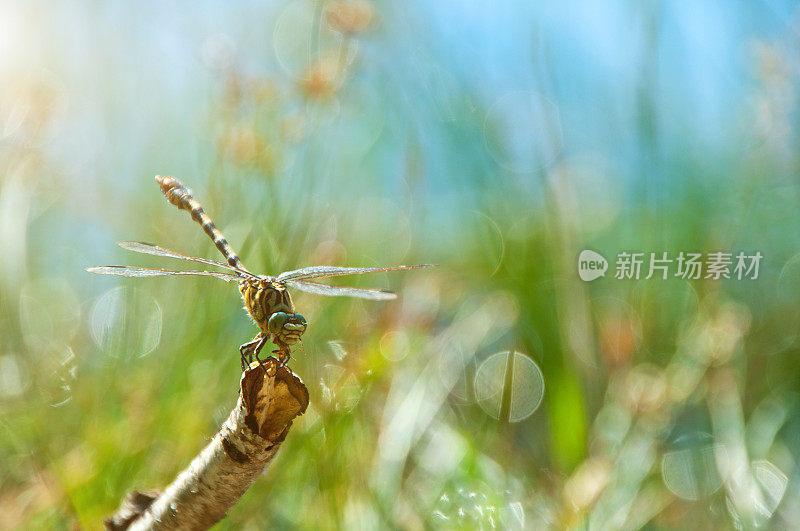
pixel 276 322
pixel 300 319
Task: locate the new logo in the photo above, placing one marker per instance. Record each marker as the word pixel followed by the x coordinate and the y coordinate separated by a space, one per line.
pixel 591 265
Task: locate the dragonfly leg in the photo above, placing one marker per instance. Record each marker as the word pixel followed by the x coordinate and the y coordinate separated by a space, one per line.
pixel 242 350
pixel 246 350
pixel 273 368
pixel 283 352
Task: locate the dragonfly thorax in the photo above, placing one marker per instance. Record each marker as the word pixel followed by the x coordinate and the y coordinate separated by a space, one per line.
pixel 262 298
pixel 271 307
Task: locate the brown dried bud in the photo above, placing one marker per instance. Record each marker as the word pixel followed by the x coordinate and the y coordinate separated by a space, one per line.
pixel 321 80
pixel 350 16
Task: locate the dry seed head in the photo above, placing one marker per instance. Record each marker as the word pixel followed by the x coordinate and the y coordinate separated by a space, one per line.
pixel 242 145
pixel 264 91
pixel 617 339
pixel 353 16
pixel 267 159
pixel 321 80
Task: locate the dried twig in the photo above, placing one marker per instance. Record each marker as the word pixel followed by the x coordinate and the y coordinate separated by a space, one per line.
pixel 216 479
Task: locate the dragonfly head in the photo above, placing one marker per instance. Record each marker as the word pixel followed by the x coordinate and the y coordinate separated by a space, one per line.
pixel 287 327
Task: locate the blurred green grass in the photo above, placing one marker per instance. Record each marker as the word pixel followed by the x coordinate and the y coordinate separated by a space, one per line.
pixel 664 402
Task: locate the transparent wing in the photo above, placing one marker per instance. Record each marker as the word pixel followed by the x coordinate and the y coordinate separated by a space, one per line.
pixel 333 271
pixel 125 271
pixel 149 248
pixel 341 291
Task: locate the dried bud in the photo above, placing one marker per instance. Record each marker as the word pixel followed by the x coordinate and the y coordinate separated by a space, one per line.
pixel 321 80
pixel 241 144
pixel 353 16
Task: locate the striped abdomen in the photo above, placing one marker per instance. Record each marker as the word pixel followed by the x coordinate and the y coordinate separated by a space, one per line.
pixel 181 197
pixel 263 298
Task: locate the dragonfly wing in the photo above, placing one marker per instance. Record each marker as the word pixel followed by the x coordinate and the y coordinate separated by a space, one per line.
pixel 333 271
pixel 341 291
pixel 125 271
pixel 148 248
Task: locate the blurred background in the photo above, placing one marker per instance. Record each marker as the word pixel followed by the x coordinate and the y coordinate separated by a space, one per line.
pixel 497 139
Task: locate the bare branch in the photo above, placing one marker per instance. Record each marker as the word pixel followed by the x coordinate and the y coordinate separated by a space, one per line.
pixel 202 494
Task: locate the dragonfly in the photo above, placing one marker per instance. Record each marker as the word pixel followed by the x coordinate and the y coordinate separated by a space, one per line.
pixel 266 298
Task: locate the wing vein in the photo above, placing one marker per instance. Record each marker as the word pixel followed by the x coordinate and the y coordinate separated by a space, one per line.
pixel 334 271
pixel 149 248
pixel 127 271
pixel 340 291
